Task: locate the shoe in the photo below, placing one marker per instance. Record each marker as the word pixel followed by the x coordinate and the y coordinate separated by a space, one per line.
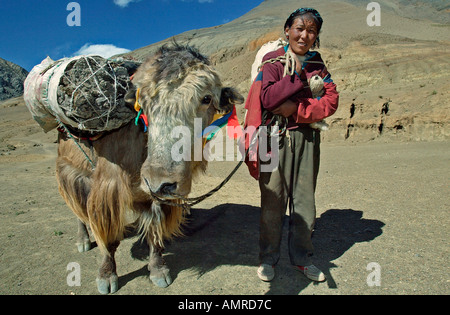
pixel 266 272
pixel 311 272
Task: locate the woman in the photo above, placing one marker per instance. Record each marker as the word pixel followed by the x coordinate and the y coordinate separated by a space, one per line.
pixel 285 92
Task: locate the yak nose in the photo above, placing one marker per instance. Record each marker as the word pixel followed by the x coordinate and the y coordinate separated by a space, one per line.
pixel 167 188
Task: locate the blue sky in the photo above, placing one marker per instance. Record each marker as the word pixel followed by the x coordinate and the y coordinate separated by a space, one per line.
pixel 31 30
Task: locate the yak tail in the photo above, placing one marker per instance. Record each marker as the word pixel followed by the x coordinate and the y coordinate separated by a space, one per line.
pixel 108 202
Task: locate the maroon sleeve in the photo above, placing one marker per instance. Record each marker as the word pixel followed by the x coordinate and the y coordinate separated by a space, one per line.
pixel 315 109
pixel 275 89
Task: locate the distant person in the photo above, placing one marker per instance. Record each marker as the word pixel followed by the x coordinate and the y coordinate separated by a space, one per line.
pixel 286 93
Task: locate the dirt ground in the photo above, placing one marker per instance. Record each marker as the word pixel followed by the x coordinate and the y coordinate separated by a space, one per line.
pixel 383 203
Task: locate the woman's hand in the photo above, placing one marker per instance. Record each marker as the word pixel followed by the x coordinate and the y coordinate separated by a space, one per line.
pixel 287 109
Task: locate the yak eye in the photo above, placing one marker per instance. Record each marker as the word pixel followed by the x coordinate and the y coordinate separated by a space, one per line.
pixel 207 100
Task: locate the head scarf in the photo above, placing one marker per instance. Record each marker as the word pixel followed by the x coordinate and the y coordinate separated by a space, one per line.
pixel 307 10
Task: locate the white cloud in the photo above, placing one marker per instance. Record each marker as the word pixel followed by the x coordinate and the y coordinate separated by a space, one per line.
pixel 105 51
pixel 125 3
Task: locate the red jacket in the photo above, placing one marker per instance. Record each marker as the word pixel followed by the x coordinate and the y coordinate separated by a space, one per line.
pixel 275 89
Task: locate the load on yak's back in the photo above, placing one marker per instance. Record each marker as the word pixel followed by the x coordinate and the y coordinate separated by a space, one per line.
pixel 83 92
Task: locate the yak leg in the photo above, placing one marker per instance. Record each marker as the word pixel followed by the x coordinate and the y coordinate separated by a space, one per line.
pixel 109 199
pixel 151 227
pixel 83 242
pixel 74 186
pixel 107 280
pixel 159 272
pixel 108 238
pixel 168 227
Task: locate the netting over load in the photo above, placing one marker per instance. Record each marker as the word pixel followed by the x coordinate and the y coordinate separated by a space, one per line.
pixel 85 92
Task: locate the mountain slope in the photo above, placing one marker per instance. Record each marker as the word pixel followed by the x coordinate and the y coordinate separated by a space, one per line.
pixel 12 77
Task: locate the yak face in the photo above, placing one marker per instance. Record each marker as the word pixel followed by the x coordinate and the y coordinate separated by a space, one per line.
pixel 179 92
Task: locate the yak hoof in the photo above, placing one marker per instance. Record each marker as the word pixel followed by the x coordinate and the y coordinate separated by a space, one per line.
pixel 84 247
pixel 161 277
pixel 161 282
pixel 108 285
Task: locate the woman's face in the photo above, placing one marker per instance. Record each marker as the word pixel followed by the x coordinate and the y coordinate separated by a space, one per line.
pixel 302 35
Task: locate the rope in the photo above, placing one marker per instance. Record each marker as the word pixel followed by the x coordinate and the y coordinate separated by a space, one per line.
pixel 289 60
pixel 69 134
pixel 188 203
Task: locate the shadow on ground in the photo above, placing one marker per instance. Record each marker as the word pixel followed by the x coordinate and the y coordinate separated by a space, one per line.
pixel 228 235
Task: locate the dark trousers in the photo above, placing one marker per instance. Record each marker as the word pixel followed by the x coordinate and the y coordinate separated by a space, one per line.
pixel 292 184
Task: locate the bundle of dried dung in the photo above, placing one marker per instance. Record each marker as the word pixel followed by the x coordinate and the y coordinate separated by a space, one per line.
pixel 83 92
pixel 91 92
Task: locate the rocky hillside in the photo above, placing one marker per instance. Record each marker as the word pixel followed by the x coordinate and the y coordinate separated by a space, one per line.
pixel 12 77
pixel 392 78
